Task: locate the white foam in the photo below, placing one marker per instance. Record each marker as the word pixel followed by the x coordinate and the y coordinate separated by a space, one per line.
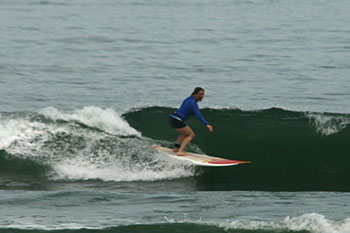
pixel 317 223
pixel 105 119
pixel 116 168
pixel 80 153
pixel 21 136
pixel 79 169
pixel 312 222
pixel 18 130
pixel 328 125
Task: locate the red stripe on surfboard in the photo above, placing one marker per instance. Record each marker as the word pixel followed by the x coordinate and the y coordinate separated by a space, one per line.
pixel 226 161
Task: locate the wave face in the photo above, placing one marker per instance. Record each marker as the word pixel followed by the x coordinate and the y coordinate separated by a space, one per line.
pixel 295 151
pixel 290 151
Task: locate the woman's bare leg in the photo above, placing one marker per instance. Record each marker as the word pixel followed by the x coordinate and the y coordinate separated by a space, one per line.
pixel 179 140
pixel 188 135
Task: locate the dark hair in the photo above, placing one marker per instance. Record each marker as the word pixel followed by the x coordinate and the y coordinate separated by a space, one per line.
pixel 196 90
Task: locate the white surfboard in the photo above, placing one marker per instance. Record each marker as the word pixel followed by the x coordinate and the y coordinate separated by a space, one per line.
pixel 198 159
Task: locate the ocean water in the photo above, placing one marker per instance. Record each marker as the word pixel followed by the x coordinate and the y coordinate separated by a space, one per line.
pixel 86 88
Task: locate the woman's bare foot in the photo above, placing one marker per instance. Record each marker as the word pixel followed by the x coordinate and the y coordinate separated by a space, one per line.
pixel 183 153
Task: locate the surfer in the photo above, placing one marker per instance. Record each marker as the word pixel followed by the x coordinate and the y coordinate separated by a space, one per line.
pixel 177 120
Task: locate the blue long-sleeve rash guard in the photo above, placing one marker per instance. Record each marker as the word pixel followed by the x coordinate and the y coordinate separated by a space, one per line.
pixel 189 107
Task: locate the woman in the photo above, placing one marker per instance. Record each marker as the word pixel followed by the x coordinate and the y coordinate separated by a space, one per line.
pixel 177 120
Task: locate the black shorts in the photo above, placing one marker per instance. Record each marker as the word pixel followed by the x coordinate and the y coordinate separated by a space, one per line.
pixel 176 123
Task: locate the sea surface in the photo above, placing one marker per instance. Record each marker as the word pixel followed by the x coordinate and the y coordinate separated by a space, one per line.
pixel 86 88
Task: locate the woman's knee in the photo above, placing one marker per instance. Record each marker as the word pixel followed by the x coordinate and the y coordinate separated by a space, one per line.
pixel 187 132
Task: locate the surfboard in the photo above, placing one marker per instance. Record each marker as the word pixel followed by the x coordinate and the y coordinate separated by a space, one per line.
pixel 199 159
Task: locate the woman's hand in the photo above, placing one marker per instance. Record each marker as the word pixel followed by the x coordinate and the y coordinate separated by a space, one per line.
pixel 210 128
